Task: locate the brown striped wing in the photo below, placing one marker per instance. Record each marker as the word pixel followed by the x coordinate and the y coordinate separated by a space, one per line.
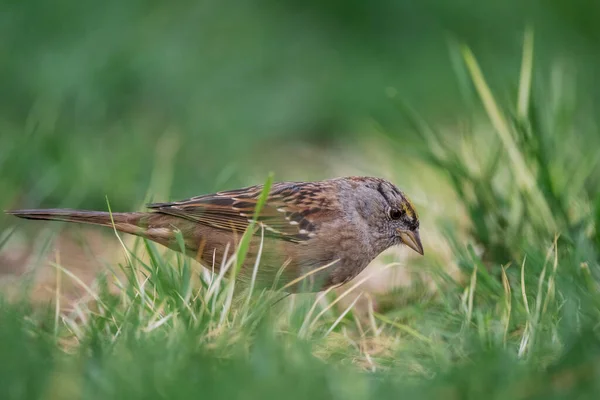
pixel 290 213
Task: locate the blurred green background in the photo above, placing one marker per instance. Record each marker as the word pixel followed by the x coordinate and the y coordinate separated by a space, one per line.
pixel 135 100
pixel 88 88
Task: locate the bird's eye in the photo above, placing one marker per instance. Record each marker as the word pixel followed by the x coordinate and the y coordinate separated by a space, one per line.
pixel 395 213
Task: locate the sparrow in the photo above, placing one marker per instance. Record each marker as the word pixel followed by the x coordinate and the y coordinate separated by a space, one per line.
pixel 309 235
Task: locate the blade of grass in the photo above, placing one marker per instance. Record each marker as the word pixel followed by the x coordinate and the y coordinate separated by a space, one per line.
pixel 245 242
pixel 507 303
pixel 404 328
pixel 472 286
pixel 57 294
pixel 6 237
pixel 81 283
pixel 525 76
pixel 342 315
pixel 254 272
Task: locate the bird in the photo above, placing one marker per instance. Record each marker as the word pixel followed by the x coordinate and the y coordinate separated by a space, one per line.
pixel 308 236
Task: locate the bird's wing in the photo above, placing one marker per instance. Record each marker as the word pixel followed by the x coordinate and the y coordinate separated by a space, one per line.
pixel 290 212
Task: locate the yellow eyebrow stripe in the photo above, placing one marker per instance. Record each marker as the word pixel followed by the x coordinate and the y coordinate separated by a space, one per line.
pixel 408 207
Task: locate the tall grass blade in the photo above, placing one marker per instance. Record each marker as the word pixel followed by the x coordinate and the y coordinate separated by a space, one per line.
pixel 245 242
pixel 526 76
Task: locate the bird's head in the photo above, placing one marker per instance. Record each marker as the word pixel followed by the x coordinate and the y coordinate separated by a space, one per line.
pixel 391 217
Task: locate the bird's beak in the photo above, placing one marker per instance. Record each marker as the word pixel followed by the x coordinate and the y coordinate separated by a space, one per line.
pixel 411 239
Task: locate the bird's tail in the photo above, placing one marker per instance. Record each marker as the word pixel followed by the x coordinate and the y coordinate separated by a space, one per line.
pixel 124 222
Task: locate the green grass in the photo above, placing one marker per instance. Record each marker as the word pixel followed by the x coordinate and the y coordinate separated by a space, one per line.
pixel 520 322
